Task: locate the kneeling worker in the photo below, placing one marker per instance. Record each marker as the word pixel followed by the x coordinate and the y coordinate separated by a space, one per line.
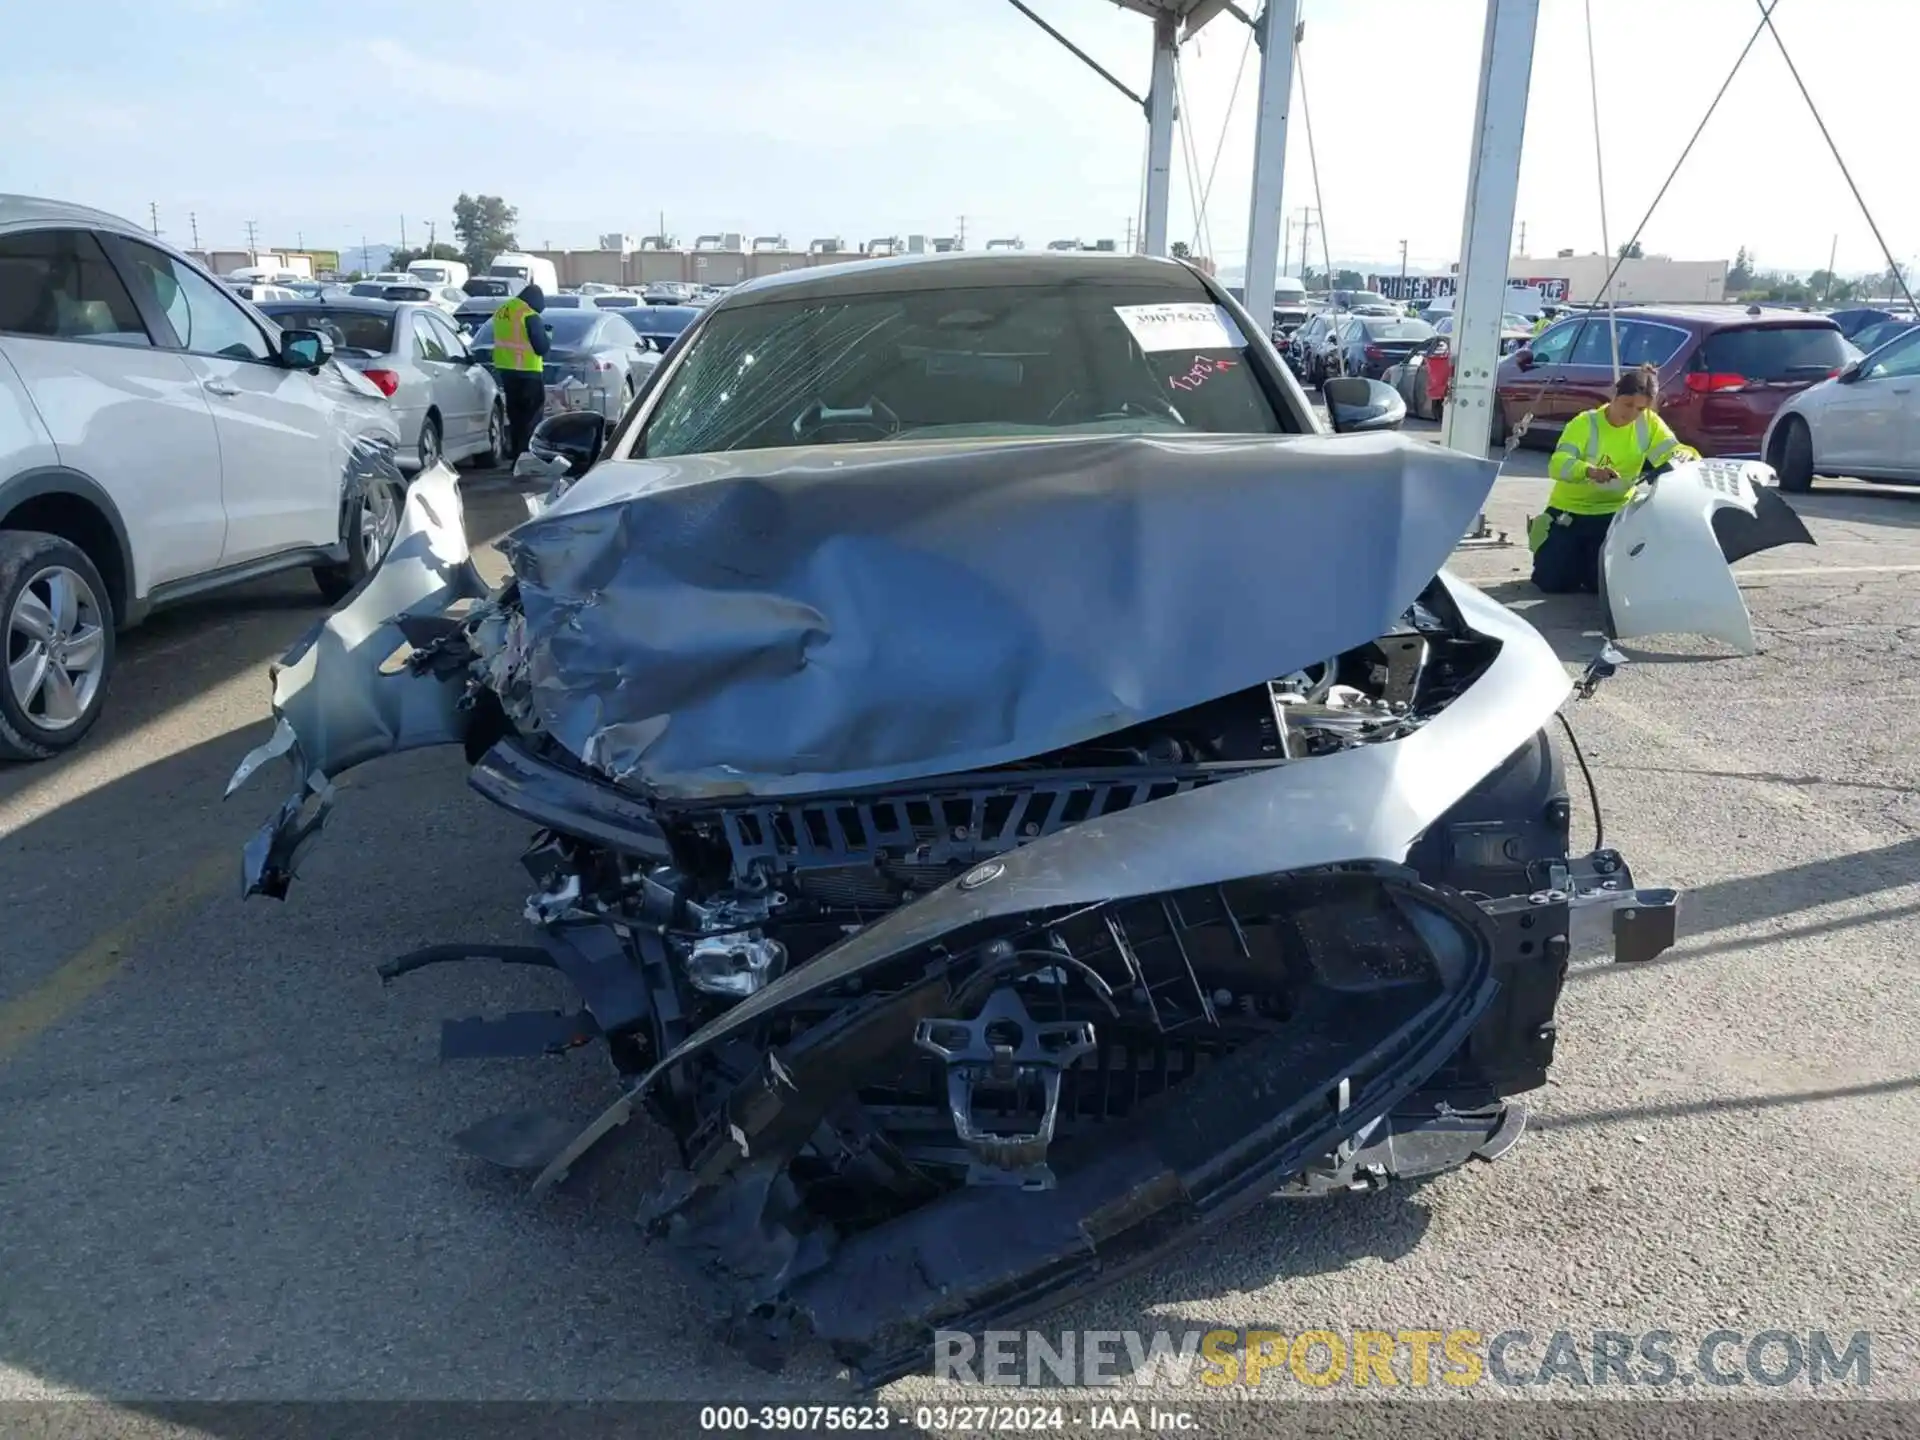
pixel 1600 454
pixel 520 343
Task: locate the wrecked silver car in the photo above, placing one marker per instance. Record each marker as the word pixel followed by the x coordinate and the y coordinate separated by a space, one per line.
pixel 1009 791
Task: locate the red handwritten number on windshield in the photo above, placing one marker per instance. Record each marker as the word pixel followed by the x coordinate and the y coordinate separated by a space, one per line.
pixel 1201 371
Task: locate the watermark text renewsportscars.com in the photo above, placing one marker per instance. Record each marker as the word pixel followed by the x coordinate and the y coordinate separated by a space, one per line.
pixel 1415 1359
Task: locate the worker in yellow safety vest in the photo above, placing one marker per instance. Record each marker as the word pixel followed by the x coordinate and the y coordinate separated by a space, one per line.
pixel 520 344
pixel 1600 455
pixel 1548 314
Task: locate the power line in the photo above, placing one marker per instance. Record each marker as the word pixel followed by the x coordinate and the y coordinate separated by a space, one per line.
pixel 1893 267
pixel 1600 181
pixel 1206 192
pixel 1619 260
pixel 1313 160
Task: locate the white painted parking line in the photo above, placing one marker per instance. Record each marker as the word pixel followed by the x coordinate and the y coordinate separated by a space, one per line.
pixel 1803 570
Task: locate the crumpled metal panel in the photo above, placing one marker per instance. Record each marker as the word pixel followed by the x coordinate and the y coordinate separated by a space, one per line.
pixel 1665 564
pixel 334 707
pixel 787 622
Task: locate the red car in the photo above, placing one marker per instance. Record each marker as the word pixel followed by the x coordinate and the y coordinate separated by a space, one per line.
pixel 1724 370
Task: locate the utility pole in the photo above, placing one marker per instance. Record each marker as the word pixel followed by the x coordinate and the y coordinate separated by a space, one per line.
pixel 1305 214
pixel 1403 268
pixel 1493 184
pixel 1160 102
pixel 253 247
pixel 1278 34
pixel 1523 237
pixel 430 229
pixel 366 255
pixel 153 218
pixel 403 232
pixel 960 238
pixel 1130 234
pixel 194 221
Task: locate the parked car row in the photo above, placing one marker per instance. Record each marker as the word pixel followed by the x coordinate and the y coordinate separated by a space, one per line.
pixel 1724 370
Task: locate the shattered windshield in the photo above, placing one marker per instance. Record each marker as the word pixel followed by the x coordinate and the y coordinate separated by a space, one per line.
pixel 1072 357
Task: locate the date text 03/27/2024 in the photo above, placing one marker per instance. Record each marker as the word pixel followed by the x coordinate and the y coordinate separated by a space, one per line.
pixel 942 1419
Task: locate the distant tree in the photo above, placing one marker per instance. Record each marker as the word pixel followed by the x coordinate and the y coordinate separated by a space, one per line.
pixel 1629 251
pixel 354 277
pixel 1349 280
pixel 1826 285
pixel 1181 250
pixel 1740 273
pixel 484 225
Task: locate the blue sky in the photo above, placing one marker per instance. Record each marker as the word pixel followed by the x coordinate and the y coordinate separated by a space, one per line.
pixel 872 117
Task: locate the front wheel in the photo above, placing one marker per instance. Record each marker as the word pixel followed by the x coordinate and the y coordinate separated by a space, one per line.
pixel 1796 457
pixel 373 518
pixel 59 637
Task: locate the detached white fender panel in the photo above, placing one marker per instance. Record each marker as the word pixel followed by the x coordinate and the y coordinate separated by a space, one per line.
pixel 1666 566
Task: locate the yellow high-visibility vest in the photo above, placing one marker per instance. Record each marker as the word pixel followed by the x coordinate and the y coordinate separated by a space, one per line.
pixel 1588 440
pixel 511 348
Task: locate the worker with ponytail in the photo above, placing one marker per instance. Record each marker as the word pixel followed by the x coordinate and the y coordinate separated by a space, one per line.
pixel 1600 454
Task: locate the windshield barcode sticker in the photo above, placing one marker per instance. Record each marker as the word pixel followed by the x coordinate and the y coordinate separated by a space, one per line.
pixel 1181 327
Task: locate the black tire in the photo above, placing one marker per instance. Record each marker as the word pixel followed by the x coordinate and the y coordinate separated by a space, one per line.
pixel 26 559
pixel 376 492
pixel 432 447
pixel 499 442
pixel 1796 456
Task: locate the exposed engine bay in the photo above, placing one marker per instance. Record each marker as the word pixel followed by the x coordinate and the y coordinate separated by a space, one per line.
pixel 756 885
pixel 942 1045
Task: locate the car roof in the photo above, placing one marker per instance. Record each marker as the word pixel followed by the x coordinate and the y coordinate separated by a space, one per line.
pixel 1715 317
pixel 953 271
pixel 21 211
pixel 348 305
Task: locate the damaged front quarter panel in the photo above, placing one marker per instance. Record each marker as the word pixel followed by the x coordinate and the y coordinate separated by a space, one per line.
pixel 337 703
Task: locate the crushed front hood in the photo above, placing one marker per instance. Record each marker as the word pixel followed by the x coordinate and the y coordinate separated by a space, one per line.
pixel 782 622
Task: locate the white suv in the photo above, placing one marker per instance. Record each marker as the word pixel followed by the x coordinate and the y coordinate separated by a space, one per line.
pixel 159 439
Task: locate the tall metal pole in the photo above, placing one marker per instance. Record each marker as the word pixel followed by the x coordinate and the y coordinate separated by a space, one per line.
pixel 1274 33
pixel 1160 139
pixel 1493 185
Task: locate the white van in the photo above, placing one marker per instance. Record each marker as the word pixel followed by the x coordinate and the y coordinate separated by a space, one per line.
pixel 524 270
pixel 439 273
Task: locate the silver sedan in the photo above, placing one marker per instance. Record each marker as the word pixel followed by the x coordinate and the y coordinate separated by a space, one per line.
pixel 445 399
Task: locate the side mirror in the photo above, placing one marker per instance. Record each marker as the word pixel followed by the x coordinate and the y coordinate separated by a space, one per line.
pixel 1357 405
pixel 304 349
pixel 576 437
pixel 1523 357
pixel 1852 373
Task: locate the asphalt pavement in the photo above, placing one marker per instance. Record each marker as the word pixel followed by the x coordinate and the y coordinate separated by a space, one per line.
pixel 223 1165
